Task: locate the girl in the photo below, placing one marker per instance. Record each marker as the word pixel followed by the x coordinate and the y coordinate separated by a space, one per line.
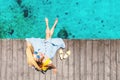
pixel 40 52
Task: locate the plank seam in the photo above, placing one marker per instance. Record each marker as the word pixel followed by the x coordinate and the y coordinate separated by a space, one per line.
pixel 17 60
pixel 116 59
pixel 92 59
pixel 1 60
pixel 80 61
pixel 104 63
pixel 85 69
pixel 22 58
pixel 98 59
pixel 12 59
pixel 110 60
pixel 68 60
pixel 73 60
pixel 6 60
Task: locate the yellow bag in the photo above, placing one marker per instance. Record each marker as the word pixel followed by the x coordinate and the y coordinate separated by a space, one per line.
pixel 44 68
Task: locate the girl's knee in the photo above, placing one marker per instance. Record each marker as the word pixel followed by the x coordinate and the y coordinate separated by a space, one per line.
pixel 47 31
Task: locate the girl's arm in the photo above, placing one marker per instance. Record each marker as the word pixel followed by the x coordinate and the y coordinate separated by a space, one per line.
pixel 30 59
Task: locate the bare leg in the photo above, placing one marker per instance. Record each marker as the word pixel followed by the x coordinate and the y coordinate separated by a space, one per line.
pixel 53 27
pixel 47 29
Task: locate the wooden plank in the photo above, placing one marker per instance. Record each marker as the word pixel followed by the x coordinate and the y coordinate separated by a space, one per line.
pixel 0 56
pixel 113 60
pixel 118 60
pixel 101 59
pixel 15 61
pixel 42 76
pixel 48 75
pixel 65 63
pixel 77 59
pixel 83 59
pixel 20 59
pixel 35 75
pixel 95 60
pixel 89 59
pixel 26 72
pixel 53 76
pixel 59 68
pixel 32 73
pixel 71 61
pixel 107 60
pixel 4 60
pixel 9 59
pixel 80 59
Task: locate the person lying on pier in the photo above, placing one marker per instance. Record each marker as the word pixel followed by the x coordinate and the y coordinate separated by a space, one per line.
pixel 40 52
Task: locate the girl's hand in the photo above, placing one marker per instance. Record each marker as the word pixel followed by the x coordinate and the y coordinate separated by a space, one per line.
pixel 56 21
pixel 46 19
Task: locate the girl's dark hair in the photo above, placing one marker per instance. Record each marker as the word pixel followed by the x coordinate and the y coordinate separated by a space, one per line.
pixel 39 63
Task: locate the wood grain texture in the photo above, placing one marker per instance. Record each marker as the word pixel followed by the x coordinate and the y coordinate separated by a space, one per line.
pixel 71 61
pixel 107 60
pixel 113 56
pixel 101 58
pixel 89 59
pixel 4 60
pixel 76 60
pixel 118 61
pixel 95 60
pixel 83 64
pixel 54 76
pixel 9 55
pixel 26 68
pixel 20 54
pixel 15 60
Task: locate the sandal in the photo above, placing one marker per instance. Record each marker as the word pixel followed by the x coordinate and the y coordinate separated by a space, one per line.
pixel 67 54
pixel 61 54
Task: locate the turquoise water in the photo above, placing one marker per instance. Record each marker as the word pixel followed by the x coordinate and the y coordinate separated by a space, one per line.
pixel 78 19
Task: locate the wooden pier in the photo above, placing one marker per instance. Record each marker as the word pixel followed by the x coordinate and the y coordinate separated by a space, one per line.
pixel 90 60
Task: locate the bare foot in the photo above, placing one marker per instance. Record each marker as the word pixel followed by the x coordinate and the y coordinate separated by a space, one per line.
pixel 46 19
pixel 56 21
